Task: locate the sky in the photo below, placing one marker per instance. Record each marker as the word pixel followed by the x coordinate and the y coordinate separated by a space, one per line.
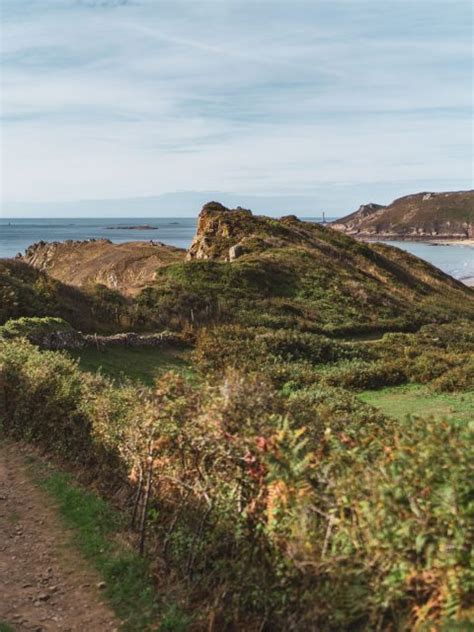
pixel 148 105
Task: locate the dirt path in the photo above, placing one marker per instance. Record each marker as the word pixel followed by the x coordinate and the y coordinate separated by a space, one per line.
pixel 45 585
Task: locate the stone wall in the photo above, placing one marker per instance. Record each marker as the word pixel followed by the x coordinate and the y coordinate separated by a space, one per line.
pixel 58 340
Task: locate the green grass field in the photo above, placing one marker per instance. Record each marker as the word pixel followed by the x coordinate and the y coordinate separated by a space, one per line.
pixel 417 400
pixel 139 364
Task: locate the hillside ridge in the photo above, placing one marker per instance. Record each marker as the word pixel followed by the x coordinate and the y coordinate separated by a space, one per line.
pixel 254 270
pixel 125 267
pixel 424 216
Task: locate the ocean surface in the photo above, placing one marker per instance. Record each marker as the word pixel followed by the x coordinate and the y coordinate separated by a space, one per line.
pixel 456 260
pixel 17 234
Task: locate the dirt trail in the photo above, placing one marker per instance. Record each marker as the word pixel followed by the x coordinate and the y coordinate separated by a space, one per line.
pixel 45 585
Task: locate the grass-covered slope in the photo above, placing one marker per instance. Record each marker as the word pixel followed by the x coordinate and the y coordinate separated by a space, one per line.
pixel 28 292
pixel 260 271
pixel 420 216
pixel 241 268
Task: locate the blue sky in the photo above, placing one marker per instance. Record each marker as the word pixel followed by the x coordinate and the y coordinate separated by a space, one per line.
pixel 326 103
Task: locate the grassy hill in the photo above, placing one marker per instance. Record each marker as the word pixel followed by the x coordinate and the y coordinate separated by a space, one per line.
pixel 26 291
pixel 421 216
pixel 259 271
pixel 251 270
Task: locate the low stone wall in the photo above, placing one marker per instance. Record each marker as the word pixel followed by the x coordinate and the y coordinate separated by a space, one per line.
pixel 57 340
pixel 131 339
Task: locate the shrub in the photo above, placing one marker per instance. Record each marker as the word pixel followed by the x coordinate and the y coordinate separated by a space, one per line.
pixel 311 509
pixel 238 346
pixel 25 326
pixel 458 378
pixel 361 375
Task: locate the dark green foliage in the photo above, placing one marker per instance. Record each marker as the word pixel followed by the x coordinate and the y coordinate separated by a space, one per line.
pixel 25 291
pixel 361 375
pixel 306 504
pixel 24 326
pixel 279 500
pixel 327 284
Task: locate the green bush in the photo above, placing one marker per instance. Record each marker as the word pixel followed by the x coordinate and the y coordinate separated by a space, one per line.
pixel 362 375
pixel 458 378
pixel 15 328
pixel 310 508
pixel 239 346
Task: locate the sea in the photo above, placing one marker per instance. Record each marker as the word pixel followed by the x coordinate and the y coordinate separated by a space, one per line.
pixel 17 234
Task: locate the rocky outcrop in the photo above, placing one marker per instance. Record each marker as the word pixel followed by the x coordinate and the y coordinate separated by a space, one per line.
pixel 235 252
pixel 227 234
pixel 126 267
pixel 419 217
pixel 218 234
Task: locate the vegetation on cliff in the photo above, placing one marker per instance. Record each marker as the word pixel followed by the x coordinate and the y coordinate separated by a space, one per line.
pixel 298 275
pixel 26 291
pixel 421 216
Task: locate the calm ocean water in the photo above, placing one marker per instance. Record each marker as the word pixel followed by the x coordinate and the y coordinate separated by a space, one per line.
pixel 458 260
pixel 18 234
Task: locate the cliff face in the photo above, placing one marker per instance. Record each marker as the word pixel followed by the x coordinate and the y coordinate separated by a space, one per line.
pixel 423 216
pixel 219 232
pixel 124 267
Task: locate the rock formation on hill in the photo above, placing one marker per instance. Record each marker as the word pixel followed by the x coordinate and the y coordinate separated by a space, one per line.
pixel 227 234
pixel 256 270
pixel 422 216
pixel 124 267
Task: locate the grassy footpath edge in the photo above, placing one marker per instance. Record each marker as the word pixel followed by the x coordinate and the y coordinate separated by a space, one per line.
pixel 416 400
pixel 96 529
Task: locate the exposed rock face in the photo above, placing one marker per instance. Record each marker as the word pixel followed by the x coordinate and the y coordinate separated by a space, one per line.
pixel 124 267
pixel 217 230
pixel 235 252
pixel 227 234
pixel 423 217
